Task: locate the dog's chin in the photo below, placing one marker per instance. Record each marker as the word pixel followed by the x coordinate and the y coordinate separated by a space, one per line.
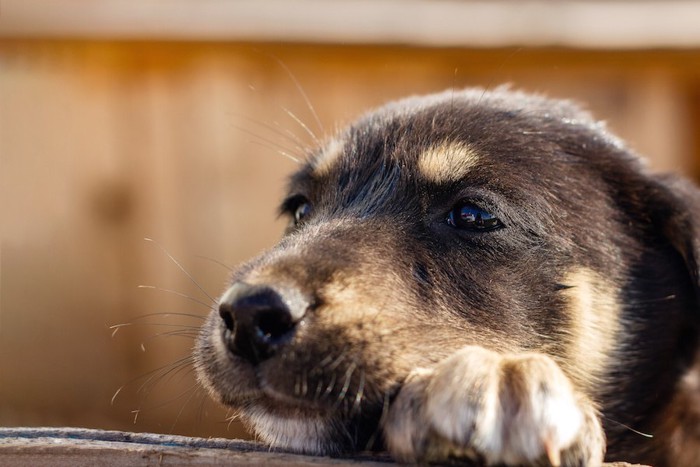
pixel 278 420
pixel 288 423
pixel 291 428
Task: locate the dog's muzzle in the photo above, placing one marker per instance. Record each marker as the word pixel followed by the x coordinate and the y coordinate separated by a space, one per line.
pixel 259 319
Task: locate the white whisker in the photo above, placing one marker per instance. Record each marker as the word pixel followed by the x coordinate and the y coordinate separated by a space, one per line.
pixel 303 125
pixel 177 263
pixel 180 294
pixel 301 91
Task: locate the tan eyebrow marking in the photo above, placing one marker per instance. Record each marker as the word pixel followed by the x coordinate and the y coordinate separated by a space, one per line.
pixel 323 163
pixel 447 162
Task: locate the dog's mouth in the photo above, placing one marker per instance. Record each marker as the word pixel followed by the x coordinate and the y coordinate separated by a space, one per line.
pixel 288 408
pixel 293 378
pixel 306 373
pixel 296 391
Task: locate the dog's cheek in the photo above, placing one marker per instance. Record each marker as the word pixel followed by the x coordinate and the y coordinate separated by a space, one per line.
pixel 592 309
pixel 349 357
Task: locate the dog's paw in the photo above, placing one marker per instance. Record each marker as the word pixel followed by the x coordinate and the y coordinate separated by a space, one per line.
pixel 512 410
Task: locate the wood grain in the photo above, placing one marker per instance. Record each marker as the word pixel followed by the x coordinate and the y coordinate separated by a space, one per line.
pixel 53 447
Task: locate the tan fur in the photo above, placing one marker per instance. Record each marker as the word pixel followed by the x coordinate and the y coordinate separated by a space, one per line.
pixel 323 163
pixel 447 162
pixel 594 309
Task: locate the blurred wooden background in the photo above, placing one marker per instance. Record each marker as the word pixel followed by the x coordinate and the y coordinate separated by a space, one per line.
pixel 105 141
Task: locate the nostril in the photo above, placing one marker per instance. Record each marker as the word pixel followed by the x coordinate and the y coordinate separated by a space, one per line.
pixel 227 316
pixel 274 325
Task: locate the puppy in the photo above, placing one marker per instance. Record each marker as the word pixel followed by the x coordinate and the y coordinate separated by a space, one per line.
pixel 485 276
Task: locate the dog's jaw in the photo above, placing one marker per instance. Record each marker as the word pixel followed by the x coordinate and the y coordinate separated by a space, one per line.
pixel 305 434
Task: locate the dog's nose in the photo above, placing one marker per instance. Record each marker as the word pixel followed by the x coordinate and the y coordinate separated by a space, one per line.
pixel 260 318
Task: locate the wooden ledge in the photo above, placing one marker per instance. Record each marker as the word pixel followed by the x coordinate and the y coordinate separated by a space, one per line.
pixel 51 447
pixel 81 447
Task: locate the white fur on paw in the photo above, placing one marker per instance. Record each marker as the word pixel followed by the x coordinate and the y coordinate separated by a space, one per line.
pixel 513 410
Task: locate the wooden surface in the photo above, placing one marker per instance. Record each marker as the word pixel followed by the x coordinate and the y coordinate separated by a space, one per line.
pixel 21 447
pixel 81 447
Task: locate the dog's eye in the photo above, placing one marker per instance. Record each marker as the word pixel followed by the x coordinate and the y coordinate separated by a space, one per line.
pixel 301 211
pixel 296 208
pixel 466 216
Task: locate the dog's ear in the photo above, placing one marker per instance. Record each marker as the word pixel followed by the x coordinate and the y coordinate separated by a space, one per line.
pixel 674 206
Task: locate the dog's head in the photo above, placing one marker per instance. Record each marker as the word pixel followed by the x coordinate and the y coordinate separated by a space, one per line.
pixel 490 218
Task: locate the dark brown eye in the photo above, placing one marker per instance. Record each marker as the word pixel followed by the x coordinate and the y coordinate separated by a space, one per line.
pixel 296 208
pixel 466 216
pixel 301 211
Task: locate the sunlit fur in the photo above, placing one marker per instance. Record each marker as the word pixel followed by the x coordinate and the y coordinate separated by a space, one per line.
pixel 568 332
pixel 447 162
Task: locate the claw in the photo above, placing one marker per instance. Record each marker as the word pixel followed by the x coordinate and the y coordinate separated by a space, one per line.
pixel 553 453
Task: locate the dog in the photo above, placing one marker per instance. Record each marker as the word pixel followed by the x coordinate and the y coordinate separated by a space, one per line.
pixel 484 276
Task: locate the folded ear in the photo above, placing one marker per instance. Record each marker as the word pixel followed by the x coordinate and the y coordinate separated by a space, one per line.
pixel 675 210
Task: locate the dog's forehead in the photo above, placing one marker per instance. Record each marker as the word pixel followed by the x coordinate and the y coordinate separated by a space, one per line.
pixel 447 161
pixel 506 146
pixel 442 138
pixel 442 161
pixel 414 138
